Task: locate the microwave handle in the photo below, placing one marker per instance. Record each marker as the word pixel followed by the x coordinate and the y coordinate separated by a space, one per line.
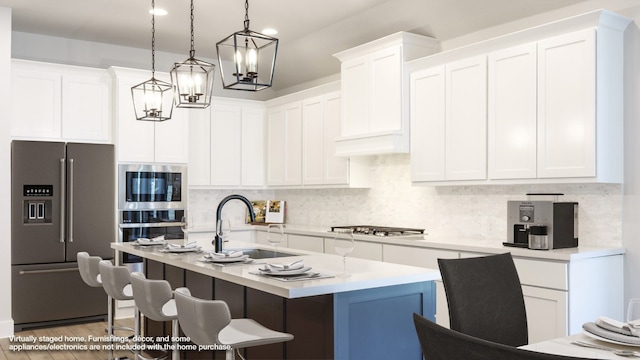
pixel 151 225
pixel 62 201
pixel 70 214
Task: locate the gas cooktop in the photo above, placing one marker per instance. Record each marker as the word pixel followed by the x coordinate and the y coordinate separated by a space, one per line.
pixel 381 231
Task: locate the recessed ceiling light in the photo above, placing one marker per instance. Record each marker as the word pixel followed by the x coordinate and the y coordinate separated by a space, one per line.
pixel 269 31
pixel 158 12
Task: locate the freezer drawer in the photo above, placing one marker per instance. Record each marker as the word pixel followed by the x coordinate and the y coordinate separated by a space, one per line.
pixel 53 293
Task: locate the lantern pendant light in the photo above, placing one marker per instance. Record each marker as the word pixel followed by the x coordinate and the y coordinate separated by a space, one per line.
pixel 153 99
pixel 247 59
pixel 192 79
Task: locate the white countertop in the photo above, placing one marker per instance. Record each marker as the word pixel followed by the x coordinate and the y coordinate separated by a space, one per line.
pixel 473 245
pixel 364 274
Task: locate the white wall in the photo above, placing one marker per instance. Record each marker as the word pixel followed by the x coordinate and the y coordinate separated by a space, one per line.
pixel 631 199
pixel 6 322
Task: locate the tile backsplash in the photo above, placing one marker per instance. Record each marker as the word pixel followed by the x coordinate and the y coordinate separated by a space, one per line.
pixel 444 211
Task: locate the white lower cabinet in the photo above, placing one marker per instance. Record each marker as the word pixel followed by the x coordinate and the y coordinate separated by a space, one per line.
pixel 302 242
pixel 261 238
pixel 362 249
pixel 559 296
pixel 546 313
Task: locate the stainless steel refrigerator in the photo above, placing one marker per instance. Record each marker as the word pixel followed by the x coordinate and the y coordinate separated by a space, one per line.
pixel 62 202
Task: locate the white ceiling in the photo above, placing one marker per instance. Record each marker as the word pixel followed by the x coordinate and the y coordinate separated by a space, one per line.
pixel 309 31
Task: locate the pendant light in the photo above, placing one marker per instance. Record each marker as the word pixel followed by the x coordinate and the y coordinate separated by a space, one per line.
pixel 153 99
pixel 247 59
pixel 192 79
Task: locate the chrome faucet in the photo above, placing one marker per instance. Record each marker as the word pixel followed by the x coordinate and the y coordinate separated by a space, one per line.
pixel 217 242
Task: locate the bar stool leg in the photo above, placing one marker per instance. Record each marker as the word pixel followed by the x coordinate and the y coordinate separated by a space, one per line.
pixel 174 331
pixel 109 315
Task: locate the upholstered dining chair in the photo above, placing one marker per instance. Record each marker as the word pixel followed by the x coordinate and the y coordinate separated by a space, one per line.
pixel 485 298
pixel 440 343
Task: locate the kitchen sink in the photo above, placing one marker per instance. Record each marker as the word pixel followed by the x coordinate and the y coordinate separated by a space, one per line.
pixel 263 253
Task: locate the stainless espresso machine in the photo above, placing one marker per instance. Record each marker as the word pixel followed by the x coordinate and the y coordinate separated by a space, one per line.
pixel 542 225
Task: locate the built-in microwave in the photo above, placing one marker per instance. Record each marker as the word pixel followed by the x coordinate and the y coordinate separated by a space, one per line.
pixel 152 186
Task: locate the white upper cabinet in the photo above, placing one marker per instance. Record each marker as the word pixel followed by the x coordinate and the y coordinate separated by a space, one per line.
pixel 554 107
pixel 448 121
pixel 226 144
pixel 375 103
pixel 567 105
pixel 284 145
pixel 466 119
pixel 302 146
pixel 512 111
pixel 428 125
pixel 320 128
pixel 253 146
pixel 73 103
pixel 147 141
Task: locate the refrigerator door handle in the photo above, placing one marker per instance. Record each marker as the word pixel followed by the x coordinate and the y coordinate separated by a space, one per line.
pixel 70 200
pixel 63 220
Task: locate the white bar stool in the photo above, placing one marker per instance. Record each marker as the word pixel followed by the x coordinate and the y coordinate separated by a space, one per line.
pixel 154 299
pixel 90 274
pixel 208 322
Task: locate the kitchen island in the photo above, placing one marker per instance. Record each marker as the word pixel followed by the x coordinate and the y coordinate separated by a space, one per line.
pixel 365 315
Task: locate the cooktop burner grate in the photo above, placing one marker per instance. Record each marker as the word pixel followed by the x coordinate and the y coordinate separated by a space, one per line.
pixel 379 230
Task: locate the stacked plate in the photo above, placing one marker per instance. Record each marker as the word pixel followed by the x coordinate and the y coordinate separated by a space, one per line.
pixel 176 248
pixel 291 269
pixel 226 257
pixel 158 240
pixel 612 331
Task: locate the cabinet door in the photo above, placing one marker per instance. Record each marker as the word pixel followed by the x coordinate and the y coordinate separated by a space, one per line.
pixel 172 137
pixel 427 89
pixel 28 82
pixel 284 149
pixel 512 113
pixel 355 82
pixel 362 250
pixel 386 90
pixel 309 243
pixel 313 153
pixel 276 145
pixel 566 105
pixel 199 147
pixel 253 154
pixel 336 168
pixel 546 313
pixel 466 119
pixel 226 145
pixel 293 120
pixel 135 138
pixel 86 105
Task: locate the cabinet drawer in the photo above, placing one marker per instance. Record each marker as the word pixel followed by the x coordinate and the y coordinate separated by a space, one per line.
pixel 546 274
pixel 361 250
pixel 542 273
pixel 309 243
pixel 422 257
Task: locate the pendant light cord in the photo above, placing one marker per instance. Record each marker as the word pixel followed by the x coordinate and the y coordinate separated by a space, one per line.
pixel 246 15
pixel 192 52
pixel 153 38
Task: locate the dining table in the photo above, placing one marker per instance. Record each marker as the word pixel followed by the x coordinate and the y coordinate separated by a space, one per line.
pixel 566 346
